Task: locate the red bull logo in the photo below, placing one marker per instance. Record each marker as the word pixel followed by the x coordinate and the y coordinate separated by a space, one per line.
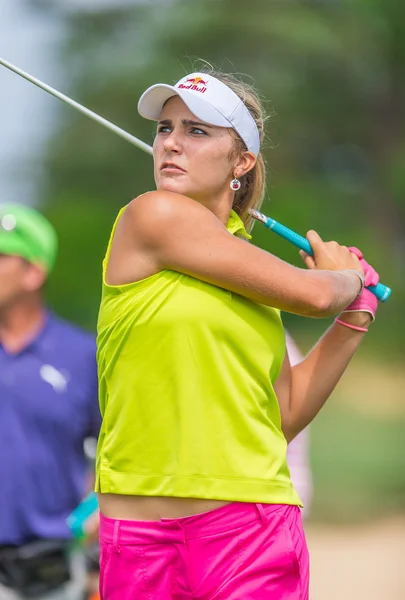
pixel 195 83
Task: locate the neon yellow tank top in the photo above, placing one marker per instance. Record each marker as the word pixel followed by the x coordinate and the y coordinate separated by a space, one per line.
pixel 186 395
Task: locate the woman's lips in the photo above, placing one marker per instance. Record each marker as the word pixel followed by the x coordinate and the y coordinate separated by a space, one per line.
pixel 171 168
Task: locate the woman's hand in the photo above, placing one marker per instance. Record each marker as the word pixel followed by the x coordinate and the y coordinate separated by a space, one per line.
pixel 330 256
pixel 363 308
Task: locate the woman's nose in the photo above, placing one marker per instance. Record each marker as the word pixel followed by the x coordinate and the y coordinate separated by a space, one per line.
pixel 173 143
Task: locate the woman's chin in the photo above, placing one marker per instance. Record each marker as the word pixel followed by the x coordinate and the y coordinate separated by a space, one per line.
pixel 170 185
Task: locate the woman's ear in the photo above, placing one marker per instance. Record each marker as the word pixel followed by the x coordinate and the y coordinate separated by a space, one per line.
pixel 244 164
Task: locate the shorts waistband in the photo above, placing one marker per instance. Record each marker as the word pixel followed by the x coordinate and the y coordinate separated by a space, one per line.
pixel 228 517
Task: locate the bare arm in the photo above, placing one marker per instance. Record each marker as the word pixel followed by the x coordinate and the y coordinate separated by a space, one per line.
pixel 177 233
pixel 303 389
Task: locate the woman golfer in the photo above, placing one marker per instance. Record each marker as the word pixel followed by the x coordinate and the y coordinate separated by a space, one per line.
pixel 197 394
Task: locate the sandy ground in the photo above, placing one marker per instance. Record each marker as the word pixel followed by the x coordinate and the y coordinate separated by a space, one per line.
pixel 358 563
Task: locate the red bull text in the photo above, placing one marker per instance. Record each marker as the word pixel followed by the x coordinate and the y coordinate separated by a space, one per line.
pixel 194 83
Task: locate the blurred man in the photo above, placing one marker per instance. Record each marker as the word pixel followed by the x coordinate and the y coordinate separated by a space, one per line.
pixel 298 458
pixel 48 407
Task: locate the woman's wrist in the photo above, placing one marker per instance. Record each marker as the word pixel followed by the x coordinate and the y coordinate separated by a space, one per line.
pixel 357 319
pixel 360 276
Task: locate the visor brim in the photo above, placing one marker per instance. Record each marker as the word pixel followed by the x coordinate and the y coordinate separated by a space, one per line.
pixel 152 101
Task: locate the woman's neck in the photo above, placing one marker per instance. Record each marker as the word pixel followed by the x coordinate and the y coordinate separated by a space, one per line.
pixel 220 205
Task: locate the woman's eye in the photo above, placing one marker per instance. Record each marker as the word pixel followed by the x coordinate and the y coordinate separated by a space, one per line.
pixel 198 131
pixel 164 129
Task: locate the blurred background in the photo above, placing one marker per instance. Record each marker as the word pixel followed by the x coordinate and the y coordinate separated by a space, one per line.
pixel 333 76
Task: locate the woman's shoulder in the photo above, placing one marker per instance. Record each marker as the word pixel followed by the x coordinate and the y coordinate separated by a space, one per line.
pixel 161 202
pixel 159 210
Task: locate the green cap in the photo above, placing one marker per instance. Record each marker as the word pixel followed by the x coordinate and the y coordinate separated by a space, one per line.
pixel 25 232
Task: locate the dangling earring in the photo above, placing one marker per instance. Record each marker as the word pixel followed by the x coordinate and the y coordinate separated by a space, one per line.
pixel 235 184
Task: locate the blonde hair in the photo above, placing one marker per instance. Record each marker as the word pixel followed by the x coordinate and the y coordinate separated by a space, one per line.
pixel 253 184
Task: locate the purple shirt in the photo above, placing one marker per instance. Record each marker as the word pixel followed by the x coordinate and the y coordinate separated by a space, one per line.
pixel 48 406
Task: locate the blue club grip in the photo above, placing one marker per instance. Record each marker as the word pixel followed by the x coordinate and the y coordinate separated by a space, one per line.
pixel 81 513
pixel 381 291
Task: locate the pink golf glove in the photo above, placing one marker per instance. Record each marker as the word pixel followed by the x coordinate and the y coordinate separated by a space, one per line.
pixel 366 302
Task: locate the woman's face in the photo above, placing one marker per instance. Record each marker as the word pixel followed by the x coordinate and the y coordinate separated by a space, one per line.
pixel 191 157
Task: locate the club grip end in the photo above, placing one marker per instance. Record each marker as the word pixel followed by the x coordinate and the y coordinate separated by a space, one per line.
pixel 381 291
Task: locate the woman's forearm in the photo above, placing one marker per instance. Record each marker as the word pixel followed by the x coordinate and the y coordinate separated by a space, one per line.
pixel 314 379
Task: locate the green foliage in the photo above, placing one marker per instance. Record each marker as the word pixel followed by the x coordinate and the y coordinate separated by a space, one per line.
pixel 332 71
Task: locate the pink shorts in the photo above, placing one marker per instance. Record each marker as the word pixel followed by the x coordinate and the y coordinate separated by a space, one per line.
pixel 237 552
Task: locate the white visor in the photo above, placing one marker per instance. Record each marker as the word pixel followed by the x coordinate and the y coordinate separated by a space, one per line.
pixel 209 100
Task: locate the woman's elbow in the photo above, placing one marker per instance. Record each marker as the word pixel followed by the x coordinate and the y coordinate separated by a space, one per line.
pixel 287 426
pixel 289 432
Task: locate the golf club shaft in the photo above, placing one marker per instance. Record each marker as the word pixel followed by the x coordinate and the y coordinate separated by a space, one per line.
pixel 89 113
